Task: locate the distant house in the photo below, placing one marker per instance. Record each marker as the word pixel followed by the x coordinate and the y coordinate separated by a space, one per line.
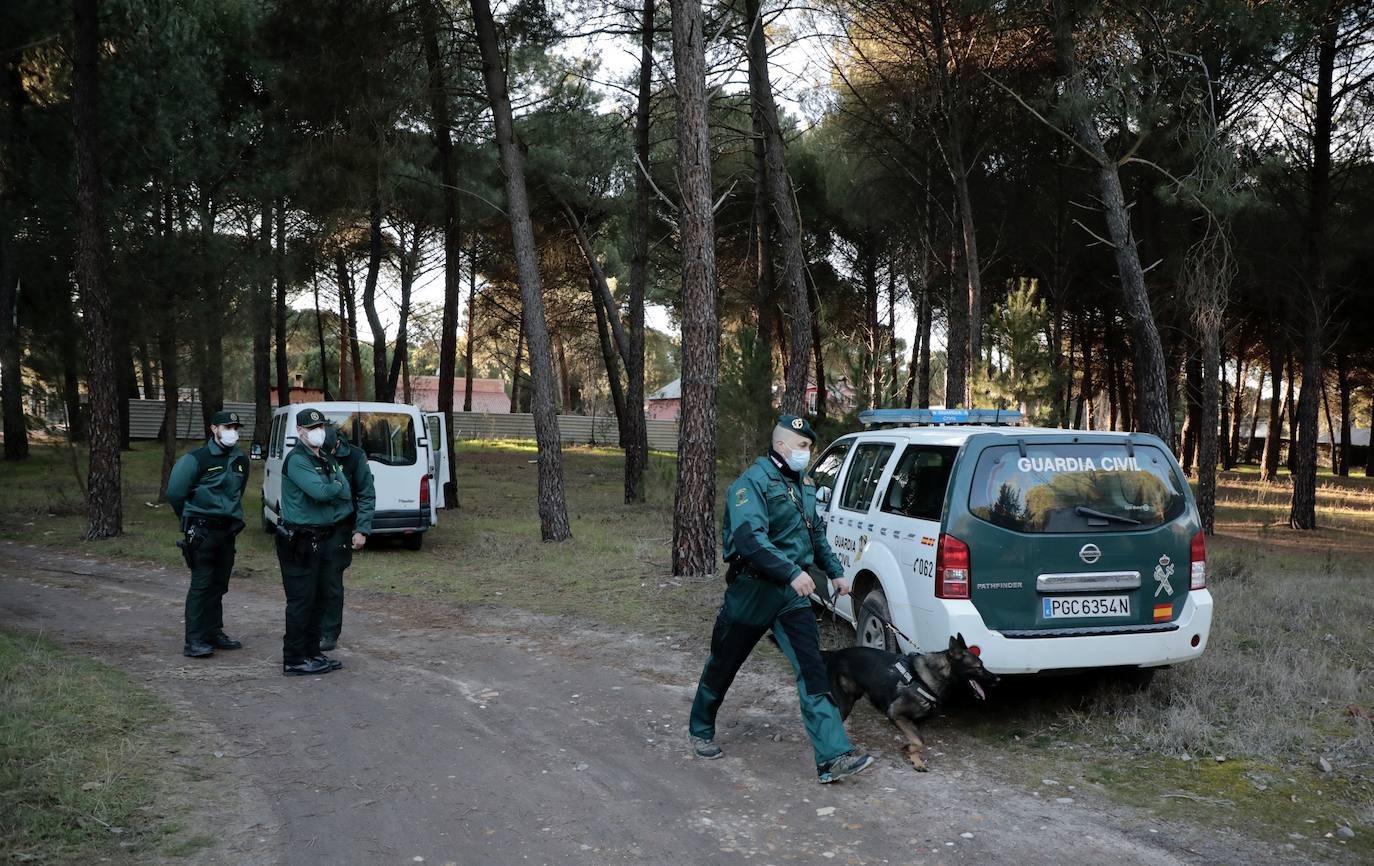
pixel 666 403
pixel 488 395
pixel 298 393
pixel 839 395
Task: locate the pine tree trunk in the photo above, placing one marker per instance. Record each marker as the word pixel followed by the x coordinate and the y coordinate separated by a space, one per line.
pixel 344 281
pixel 210 360
pixel 1151 379
pixel 380 368
pixel 694 525
pixel 1192 399
pixel 439 125
pixel 409 261
pixel 324 355
pixel 1206 432
pixel 553 511
pixel 1330 431
pixel 818 357
pixel 608 357
pixel 1232 451
pixel 637 448
pixel 925 319
pixel 1343 384
pixel 890 393
pixel 1303 514
pixel 1249 449
pixel 471 330
pixel 167 355
pixel 1224 434
pixel 103 505
pixel 785 221
pixel 1290 414
pixel 279 318
pixel 1273 441
pixel 956 334
pixel 12 395
pixel 262 332
pixel 515 369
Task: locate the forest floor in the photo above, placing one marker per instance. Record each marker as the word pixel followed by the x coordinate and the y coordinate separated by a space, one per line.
pixel 452 652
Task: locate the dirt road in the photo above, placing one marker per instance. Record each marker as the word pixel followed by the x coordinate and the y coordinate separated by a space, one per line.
pixel 493 737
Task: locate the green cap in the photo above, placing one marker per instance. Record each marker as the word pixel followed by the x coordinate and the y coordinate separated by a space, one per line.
pixel 223 417
pixel 799 425
pixel 310 418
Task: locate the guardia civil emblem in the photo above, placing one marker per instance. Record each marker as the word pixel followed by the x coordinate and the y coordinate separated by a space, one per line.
pixel 798 423
pixel 1163 572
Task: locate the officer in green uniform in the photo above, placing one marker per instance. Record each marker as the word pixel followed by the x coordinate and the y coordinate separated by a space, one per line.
pixel 316 514
pixel 205 490
pixel 359 474
pixel 772 537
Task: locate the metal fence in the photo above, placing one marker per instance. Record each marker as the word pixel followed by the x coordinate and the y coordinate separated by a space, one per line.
pixel 145 422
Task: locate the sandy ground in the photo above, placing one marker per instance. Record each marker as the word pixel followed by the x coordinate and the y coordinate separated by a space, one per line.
pixel 495 737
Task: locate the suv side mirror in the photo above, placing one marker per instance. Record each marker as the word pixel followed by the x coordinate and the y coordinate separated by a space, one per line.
pixel 255 453
pixel 822 495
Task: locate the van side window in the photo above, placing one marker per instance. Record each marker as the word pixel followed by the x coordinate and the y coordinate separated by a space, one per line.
pixel 917 488
pixel 861 481
pixel 278 428
pixel 827 469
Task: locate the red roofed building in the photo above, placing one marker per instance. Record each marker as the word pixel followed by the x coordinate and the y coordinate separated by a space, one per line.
pixel 488 395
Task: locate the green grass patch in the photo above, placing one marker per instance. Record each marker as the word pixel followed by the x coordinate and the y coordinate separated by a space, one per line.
pixel 78 768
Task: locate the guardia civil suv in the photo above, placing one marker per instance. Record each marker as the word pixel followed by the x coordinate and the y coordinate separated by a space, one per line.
pixel 1047 549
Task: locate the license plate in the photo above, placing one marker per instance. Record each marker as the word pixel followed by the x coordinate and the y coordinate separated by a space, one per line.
pixel 1086 606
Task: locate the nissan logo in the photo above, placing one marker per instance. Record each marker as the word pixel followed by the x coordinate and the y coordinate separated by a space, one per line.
pixel 1089 553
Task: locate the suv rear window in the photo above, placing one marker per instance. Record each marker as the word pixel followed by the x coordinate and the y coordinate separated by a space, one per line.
pixel 1075 487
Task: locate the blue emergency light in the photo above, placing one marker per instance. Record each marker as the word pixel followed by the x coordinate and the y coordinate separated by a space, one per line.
pixel 939 416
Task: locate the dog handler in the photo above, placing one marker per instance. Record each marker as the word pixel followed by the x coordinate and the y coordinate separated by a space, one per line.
pixel 316 513
pixel 205 490
pixel 354 463
pixel 771 538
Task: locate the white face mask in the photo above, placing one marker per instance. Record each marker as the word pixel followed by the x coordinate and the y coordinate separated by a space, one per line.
pixel 797 458
pixel 314 437
pixel 228 436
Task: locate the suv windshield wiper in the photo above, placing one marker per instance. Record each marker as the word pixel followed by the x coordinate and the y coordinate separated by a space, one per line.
pixel 1085 511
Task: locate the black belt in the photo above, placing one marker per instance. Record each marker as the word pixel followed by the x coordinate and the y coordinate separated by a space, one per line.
pixel 212 522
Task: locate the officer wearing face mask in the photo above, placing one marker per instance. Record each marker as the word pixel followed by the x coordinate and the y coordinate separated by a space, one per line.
pixel 316 513
pixel 359 474
pixel 772 540
pixel 205 490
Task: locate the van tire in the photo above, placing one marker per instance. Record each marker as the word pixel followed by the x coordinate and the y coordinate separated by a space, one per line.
pixel 869 630
pixel 413 541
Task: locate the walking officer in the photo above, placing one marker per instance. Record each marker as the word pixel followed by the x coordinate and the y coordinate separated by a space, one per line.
pixel 206 492
pixel 359 475
pixel 772 539
pixel 316 509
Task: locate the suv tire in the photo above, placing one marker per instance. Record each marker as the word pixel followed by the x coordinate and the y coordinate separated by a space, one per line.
pixel 869 630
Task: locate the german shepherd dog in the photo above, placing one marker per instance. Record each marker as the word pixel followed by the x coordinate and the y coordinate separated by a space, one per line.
pixel 905 688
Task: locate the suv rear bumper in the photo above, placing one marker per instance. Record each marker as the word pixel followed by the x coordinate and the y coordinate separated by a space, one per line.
pixel 1029 655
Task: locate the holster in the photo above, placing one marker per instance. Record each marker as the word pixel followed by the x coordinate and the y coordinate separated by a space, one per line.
pixel 734 566
pixel 300 542
pixel 189 543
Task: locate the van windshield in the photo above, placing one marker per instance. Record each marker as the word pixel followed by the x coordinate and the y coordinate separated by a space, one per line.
pixel 1076 487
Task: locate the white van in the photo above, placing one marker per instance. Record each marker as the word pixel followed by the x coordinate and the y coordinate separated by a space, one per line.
pixel 405 450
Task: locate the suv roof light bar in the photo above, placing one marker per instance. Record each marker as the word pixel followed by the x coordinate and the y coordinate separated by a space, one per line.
pixel 922 417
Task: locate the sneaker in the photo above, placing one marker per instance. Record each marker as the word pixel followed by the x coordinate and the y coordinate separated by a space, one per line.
pixel 705 749
pixel 848 764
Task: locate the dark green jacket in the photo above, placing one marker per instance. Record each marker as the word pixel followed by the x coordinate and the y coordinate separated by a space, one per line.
pixel 359 473
pixel 766 525
pixel 314 490
pixel 214 491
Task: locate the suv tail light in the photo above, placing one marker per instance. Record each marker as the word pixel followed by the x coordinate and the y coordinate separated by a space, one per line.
pixel 424 492
pixel 1197 574
pixel 951 568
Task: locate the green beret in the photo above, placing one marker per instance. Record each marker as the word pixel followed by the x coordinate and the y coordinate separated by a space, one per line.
pixel 798 425
pixel 225 417
pixel 310 418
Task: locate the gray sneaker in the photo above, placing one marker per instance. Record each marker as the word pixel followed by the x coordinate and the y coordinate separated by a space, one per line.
pixel 705 749
pixel 848 764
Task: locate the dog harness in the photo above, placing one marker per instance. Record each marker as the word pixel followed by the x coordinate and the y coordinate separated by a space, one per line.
pixel 914 681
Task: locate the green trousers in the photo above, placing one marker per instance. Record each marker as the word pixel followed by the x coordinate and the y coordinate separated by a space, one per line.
pixel 211 564
pixel 331 616
pixel 307 567
pixel 752 607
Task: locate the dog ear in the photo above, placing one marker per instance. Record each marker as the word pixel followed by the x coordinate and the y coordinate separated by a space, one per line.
pixel 962 645
pixel 954 644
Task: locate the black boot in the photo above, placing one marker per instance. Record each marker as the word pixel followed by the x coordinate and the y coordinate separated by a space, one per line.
pixel 306 668
pixel 225 642
pixel 197 649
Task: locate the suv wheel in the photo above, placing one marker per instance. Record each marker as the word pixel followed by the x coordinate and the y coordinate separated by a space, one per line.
pixel 870 631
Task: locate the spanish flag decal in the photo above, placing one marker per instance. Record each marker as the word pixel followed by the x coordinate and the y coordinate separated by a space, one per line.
pixel 1163 611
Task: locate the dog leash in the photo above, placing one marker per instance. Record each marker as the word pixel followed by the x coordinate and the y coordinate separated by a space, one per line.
pixel 879 617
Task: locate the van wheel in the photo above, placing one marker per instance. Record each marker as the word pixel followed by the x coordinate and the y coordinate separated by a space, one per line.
pixel 413 541
pixel 870 631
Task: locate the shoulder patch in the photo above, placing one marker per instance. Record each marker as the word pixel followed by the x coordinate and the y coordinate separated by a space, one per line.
pixel 741 495
pixel 808 482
